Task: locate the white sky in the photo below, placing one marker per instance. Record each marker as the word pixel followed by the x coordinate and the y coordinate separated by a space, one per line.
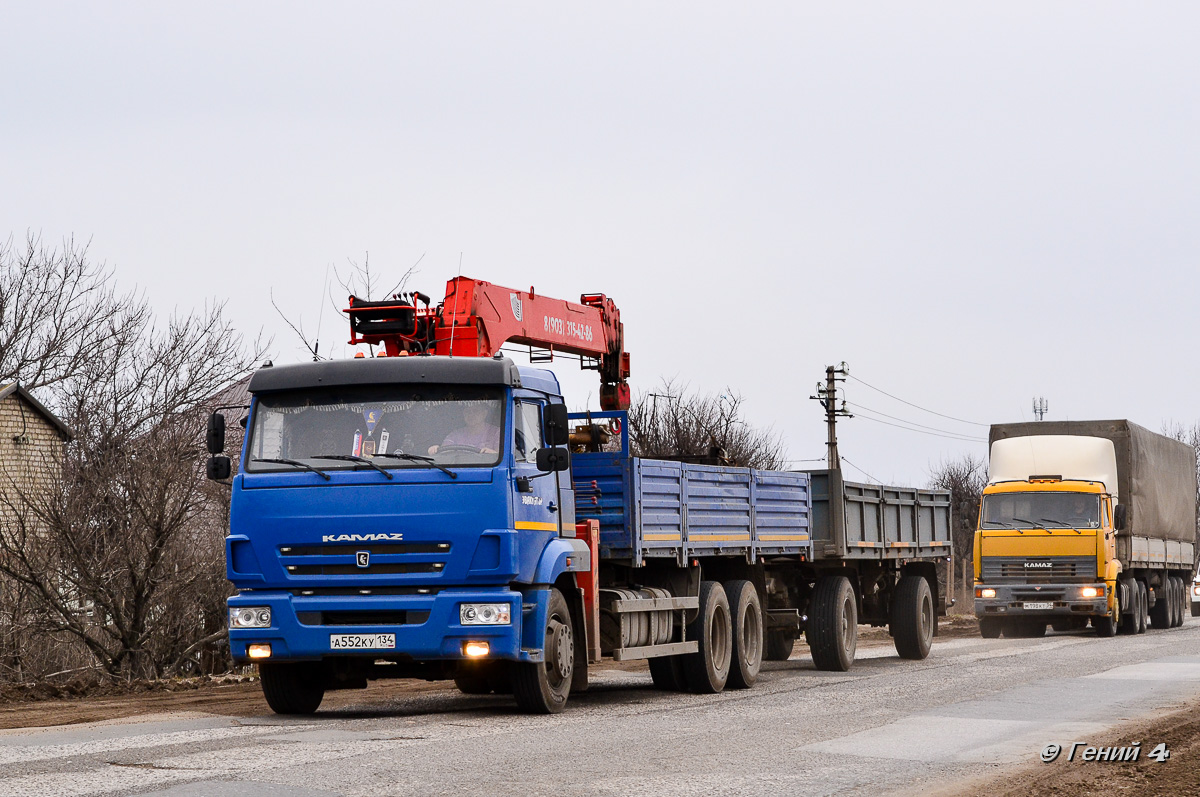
pixel 970 205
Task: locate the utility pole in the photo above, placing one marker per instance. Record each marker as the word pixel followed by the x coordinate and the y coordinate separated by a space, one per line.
pixel 1039 407
pixel 827 395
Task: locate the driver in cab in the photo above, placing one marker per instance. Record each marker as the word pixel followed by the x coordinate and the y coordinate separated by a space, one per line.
pixel 476 434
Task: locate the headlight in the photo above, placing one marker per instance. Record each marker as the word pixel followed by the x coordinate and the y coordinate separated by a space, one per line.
pixel 986 592
pixel 250 617
pixel 484 614
pixel 1092 592
pixel 1196 590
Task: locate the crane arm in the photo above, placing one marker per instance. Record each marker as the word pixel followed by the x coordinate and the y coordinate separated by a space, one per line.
pixel 476 318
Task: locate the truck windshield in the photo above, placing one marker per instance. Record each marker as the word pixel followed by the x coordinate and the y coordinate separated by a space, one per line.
pixel 1045 510
pixel 439 425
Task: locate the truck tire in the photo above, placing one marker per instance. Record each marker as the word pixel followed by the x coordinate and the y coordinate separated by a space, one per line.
pixel 1177 603
pixel 542 687
pixel 990 627
pixel 832 630
pixel 1143 606
pixel 779 645
pixel 292 687
pixel 1161 613
pixel 913 617
pixel 745 612
pixel 1128 599
pixel 707 670
pixel 1105 626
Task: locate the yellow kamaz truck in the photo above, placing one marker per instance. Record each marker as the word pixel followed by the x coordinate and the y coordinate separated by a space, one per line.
pixel 1084 522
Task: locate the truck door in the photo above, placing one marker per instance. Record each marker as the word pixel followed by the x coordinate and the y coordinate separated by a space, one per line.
pixel 536 504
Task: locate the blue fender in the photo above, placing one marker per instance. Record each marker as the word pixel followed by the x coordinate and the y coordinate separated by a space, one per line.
pixel 562 555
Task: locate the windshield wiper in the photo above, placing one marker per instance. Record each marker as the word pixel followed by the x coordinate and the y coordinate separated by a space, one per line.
pixel 297 463
pixel 1005 523
pixel 1030 522
pixel 419 458
pixel 352 458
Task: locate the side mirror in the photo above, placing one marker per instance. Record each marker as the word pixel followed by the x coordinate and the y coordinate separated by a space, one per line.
pixel 219 468
pixel 1120 516
pixel 558 432
pixel 550 460
pixel 216 433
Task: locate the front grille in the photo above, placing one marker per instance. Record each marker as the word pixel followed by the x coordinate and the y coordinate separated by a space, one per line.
pixel 391 617
pixel 356 591
pixel 372 570
pixel 1017 569
pixel 382 558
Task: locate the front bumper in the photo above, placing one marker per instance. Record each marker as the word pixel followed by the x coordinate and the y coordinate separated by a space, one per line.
pixel 1064 600
pixel 434 633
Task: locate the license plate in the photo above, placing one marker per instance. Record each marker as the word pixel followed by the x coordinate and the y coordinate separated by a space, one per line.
pixel 1029 605
pixel 362 641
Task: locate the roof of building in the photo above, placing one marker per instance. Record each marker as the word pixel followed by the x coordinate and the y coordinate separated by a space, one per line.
pixel 14 388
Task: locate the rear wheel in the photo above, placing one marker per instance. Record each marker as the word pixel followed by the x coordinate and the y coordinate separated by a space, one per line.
pixel 292 687
pixel 832 630
pixel 1178 602
pixel 667 673
pixel 1128 592
pixel 779 645
pixel 707 669
pixel 990 627
pixel 745 611
pixel 1143 606
pixel 1161 614
pixel 543 687
pixel 913 617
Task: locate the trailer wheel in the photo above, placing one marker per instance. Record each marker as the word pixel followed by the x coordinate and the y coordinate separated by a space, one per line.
pixel 542 687
pixel 1177 603
pixel 1143 606
pixel 745 611
pixel 1182 607
pixel 779 645
pixel 913 617
pixel 707 669
pixel 832 630
pixel 1162 613
pixel 292 687
pixel 667 673
pixel 990 627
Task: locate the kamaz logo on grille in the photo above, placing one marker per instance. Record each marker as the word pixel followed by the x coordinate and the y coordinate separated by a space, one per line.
pixel 1039 564
pixel 362 537
pixel 363 558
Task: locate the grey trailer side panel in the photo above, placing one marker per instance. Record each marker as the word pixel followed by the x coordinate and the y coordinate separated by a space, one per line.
pixel 852 520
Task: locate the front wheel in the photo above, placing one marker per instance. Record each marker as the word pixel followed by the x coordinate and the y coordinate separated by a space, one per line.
pixel 292 687
pixel 990 627
pixel 542 687
pixel 832 630
pixel 913 617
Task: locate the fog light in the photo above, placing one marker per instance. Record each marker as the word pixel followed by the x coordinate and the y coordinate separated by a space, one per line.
pixel 476 649
pixel 250 617
pixel 985 592
pixel 484 613
pixel 1091 592
pixel 259 650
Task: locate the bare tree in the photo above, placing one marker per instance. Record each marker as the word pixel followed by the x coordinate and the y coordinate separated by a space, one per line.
pixel 671 423
pixel 119 558
pixel 965 478
pixel 56 310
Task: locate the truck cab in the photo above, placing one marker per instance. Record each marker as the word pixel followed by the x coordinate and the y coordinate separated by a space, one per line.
pixel 1045 552
pixel 393 517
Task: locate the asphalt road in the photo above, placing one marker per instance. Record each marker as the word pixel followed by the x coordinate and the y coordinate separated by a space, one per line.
pixel 971 709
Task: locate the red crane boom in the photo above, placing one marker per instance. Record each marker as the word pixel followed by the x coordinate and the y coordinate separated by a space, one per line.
pixel 476 318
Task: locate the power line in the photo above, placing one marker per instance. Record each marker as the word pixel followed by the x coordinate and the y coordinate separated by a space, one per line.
pixel 860 470
pixel 913 423
pixel 917 406
pixel 963 439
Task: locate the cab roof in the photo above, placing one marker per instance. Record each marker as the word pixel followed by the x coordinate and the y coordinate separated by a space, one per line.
pixel 1046 486
pixel 388 370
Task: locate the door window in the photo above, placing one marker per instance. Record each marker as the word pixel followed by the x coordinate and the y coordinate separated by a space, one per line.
pixel 527 437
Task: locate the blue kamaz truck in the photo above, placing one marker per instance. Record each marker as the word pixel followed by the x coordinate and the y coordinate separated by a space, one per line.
pixel 443 517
